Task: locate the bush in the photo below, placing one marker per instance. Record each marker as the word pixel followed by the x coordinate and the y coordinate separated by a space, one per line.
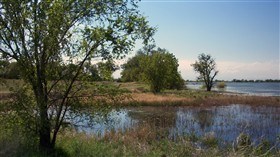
pixel 221 85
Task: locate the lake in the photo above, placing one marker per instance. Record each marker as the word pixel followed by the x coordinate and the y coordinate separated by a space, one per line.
pixel 250 88
pixel 224 122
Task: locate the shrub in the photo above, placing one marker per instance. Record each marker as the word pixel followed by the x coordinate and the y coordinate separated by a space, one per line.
pixel 221 85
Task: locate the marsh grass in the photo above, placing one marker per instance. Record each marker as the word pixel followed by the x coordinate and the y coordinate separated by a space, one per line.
pixel 145 140
pixel 221 85
pixel 193 98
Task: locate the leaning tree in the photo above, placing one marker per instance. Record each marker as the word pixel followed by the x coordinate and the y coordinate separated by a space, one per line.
pixel 44 36
pixel 206 67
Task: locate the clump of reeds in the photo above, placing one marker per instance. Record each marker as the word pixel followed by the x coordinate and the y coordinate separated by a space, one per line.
pixel 221 85
pixel 209 140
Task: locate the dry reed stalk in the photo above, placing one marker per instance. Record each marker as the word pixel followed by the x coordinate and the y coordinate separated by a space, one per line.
pixel 149 97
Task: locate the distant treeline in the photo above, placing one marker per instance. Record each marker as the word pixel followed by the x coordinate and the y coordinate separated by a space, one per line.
pixel 101 71
pixel 267 80
pixel 242 80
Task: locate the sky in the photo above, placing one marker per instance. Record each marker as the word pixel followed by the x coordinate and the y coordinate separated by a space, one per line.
pixel 242 35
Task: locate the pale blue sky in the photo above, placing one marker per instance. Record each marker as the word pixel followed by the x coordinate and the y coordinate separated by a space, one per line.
pixel 243 36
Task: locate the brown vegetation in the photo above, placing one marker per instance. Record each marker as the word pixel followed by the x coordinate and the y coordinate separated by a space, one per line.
pixel 138 94
pixel 154 98
pixel 222 99
pixel 217 99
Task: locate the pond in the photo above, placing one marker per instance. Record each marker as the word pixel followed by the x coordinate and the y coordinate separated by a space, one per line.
pixel 225 122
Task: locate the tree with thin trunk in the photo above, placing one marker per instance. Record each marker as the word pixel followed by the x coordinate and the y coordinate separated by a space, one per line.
pixel 44 36
pixel 206 67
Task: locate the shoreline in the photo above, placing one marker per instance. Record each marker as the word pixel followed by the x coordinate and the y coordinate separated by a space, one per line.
pixel 214 99
pixel 138 94
pixel 187 98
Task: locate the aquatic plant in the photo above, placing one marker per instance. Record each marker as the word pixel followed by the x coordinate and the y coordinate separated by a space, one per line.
pixel 221 85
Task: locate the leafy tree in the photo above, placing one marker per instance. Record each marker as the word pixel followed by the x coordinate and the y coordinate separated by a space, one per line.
pixel 162 71
pixel 92 72
pixel 157 67
pixel 45 36
pixel 206 67
pixel 133 69
pixel 106 69
pixel 101 71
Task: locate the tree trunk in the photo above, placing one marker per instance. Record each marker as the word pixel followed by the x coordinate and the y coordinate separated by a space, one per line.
pixel 44 131
pixel 208 88
pixel 44 123
pixel 207 84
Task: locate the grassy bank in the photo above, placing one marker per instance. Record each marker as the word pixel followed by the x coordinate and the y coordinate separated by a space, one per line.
pixel 142 141
pixel 145 142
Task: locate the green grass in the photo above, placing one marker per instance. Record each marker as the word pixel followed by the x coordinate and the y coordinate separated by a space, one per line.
pixel 142 141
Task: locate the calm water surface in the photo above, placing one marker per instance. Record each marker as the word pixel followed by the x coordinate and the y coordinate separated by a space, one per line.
pixel 251 88
pixel 225 122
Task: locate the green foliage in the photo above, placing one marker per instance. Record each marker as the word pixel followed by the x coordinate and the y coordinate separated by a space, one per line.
pixel 9 70
pixel 206 67
pixel 52 40
pixel 133 70
pixel 133 144
pixel 101 71
pixel 157 67
pixel 155 72
pixel 161 71
pixel 106 70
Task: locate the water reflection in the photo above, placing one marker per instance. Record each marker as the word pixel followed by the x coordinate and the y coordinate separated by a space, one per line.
pixel 99 123
pixel 226 122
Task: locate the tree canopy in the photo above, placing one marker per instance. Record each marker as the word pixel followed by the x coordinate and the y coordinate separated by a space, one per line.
pixel 133 69
pixel 157 67
pixel 42 35
pixel 206 67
